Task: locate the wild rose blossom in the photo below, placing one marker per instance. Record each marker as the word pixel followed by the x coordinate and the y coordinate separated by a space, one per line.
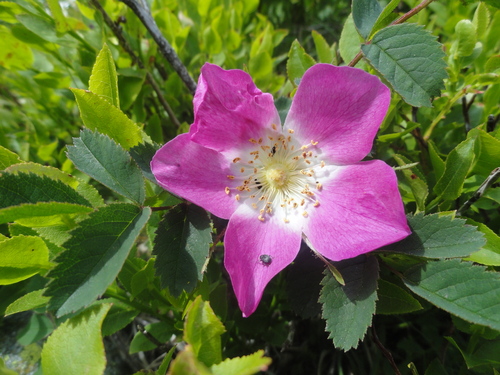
pixel 278 184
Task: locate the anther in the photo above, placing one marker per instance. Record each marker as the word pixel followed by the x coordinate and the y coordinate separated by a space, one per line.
pixel 261 218
pixel 227 190
pixel 235 160
pixel 237 197
pixel 230 177
pixel 291 131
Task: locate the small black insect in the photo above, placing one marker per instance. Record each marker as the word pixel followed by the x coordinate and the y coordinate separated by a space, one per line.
pixel 258 183
pixel 266 259
pixel 273 150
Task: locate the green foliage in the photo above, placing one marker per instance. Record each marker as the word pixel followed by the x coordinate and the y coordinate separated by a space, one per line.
pixel 181 247
pixel 348 309
pixel 365 14
pixel 203 330
pixel 70 245
pixel 435 236
pixel 461 288
pixel 396 52
pixel 94 256
pixel 102 159
pixel 22 257
pixel 67 341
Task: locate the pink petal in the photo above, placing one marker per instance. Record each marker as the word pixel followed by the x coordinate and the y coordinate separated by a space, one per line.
pixel 230 109
pixel 246 240
pixel 195 173
pixel 360 210
pixel 341 108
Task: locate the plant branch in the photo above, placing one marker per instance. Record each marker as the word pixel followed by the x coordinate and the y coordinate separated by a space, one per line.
pixel 117 30
pixel 494 175
pixel 165 48
pixel 387 354
pixel 401 19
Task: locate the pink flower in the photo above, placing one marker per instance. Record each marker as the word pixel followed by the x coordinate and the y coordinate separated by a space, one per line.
pixel 278 184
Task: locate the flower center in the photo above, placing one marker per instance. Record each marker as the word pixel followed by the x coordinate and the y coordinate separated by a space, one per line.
pixel 278 175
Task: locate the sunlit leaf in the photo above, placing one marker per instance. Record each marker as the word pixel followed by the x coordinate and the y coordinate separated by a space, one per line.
pixel 94 256
pixel 461 288
pixel 78 338
pixel 411 60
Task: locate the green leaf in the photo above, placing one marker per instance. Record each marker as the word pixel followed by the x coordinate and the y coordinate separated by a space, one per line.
pixel 461 288
pixel 483 353
pixel 84 189
pixel 384 17
pixel 349 43
pixel 298 62
pixel 348 309
pixel 94 256
pixel 42 214
pixel 22 257
pixel 142 155
pixel 182 247
pixel 203 330
pixel 165 363
pixel 161 331
pixel 99 114
pixel 410 59
pixel 437 163
pixel 186 364
pixel 489 254
pixel 103 81
pixel 8 158
pixel 30 301
pixel 488 157
pixel 14 54
pixel 105 161
pixel 38 327
pixel 78 338
pixel 21 188
pixel 364 14
pixel 457 167
pixel 465 33
pixel 246 365
pixel 395 300
pixel 435 236
pixel 62 25
pixel 481 19
pixel 416 181
pixel 117 319
pixel 323 50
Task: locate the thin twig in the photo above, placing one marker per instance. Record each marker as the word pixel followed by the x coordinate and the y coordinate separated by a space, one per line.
pixel 387 354
pixel 465 111
pixel 117 30
pixel 401 19
pixel 165 48
pixel 494 175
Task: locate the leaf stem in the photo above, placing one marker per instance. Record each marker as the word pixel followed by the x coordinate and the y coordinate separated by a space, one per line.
pixel 387 354
pixel 401 19
pixel 442 114
pixel 117 30
pixel 142 12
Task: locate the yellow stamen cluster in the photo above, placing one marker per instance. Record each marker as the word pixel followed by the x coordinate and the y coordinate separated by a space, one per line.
pixel 278 174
